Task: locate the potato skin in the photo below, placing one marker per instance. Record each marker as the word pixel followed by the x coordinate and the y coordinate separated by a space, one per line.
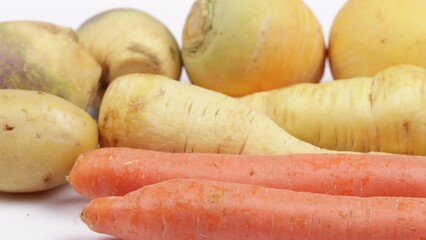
pixel 41 135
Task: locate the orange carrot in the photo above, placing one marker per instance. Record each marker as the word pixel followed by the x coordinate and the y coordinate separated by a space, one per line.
pixel 117 171
pixel 186 209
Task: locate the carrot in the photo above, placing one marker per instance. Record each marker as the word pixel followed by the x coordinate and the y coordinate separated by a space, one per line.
pixel 117 171
pixel 203 209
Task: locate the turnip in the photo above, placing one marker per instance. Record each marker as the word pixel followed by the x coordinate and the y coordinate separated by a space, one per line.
pixel 239 47
pixel 369 36
pixel 46 57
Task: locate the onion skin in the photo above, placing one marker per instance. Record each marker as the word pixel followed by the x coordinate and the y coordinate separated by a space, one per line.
pixel 241 50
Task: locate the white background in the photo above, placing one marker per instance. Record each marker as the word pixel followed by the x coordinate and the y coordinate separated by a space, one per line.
pixel 54 215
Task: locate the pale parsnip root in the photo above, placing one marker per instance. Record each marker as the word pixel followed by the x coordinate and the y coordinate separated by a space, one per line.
pixel 154 112
pixel 384 113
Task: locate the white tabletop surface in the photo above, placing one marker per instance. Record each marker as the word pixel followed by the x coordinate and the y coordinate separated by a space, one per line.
pixel 54 215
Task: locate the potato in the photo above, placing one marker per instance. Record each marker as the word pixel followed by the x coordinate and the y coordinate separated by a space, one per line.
pixel 41 135
pixel 46 57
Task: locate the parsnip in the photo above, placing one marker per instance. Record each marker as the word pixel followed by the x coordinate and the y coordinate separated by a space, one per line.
pixel 384 113
pixel 154 112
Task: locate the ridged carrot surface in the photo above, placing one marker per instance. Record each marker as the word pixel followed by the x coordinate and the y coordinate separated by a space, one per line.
pixel 189 209
pixel 117 171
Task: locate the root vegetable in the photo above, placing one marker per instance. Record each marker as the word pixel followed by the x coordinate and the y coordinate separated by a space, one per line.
pixel 201 209
pixel 157 113
pixel 118 171
pixel 369 36
pixel 126 40
pixel 381 114
pixel 264 45
pixel 46 57
pixel 41 136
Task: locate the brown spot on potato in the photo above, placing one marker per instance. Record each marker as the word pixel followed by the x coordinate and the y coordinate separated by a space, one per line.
pixel 383 41
pixel 8 127
pixel 38 136
pixel 47 178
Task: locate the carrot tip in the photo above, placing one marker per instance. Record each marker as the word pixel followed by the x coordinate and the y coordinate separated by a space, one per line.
pixel 85 219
